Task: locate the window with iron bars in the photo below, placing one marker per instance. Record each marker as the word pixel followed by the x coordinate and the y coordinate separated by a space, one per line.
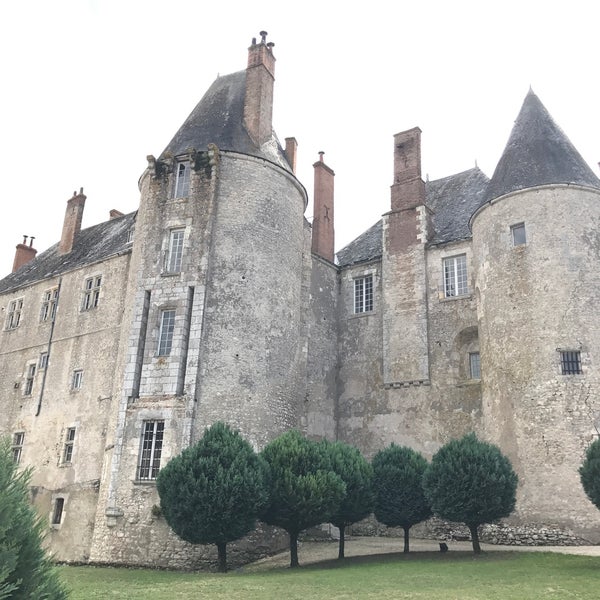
pixel 363 294
pixel 570 362
pixel 150 450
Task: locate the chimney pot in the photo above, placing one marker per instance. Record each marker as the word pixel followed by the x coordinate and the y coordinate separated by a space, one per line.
pixel 263 37
pixel 25 239
pixel 31 241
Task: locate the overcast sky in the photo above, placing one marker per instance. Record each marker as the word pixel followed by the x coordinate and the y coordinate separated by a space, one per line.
pixel 91 87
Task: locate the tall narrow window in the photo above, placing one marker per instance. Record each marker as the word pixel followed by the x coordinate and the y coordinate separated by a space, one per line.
pixel 57 513
pixel 165 337
pixel 77 380
pixel 518 234
pixel 68 447
pixel 48 310
pixel 474 365
pixel 29 379
pixel 182 183
pixel 91 292
pixel 175 251
pixel 150 449
pixel 570 362
pixel 17 446
pixel 43 360
pixel 13 317
pixel 455 276
pixel 363 294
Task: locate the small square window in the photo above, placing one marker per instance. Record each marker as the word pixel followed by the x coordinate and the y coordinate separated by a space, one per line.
pixel 29 379
pixel 455 276
pixel 13 316
pixel 519 237
pixel 77 380
pixel 474 365
pixel 182 181
pixel 570 362
pixel 17 446
pixel 57 513
pixel 363 294
pixel 68 447
pixel 91 292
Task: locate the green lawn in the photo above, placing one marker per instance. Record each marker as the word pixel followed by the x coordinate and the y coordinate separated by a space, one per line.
pixel 427 576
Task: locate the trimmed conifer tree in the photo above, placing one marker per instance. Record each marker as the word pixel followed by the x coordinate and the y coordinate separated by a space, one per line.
pixel 472 482
pixel 357 474
pixel 26 572
pixel 213 491
pixel 398 483
pixel 303 490
pixel 589 472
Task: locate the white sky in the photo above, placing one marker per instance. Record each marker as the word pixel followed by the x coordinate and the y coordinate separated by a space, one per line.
pixel 90 87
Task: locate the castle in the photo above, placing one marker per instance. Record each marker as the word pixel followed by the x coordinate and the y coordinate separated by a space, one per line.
pixel 471 306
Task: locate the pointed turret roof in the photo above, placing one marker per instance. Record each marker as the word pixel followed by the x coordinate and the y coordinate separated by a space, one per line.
pixel 218 119
pixel 538 153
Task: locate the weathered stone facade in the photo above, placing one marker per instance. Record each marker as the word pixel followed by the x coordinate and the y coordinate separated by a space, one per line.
pixel 459 311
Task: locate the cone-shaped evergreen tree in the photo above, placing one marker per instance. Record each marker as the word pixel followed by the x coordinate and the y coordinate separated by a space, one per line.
pixel 303 491
pixel 589 472
pixel 213 491
pixel 472 482
pixel 26 572
pixel 357 474
pixel 398 482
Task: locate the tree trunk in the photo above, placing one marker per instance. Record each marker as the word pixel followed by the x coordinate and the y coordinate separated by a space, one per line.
pixel 475 539
pixel 342 529
pixel 293 550
pixel 406 544
pixel 222 548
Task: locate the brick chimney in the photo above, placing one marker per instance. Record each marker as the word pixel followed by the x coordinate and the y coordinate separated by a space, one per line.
pixel 72 222
pixel 24 253
pixel 408 189
pixel 258 102
pixel 291 149
pixel 323 235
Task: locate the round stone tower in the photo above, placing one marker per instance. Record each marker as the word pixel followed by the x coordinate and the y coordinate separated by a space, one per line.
pixel 536 243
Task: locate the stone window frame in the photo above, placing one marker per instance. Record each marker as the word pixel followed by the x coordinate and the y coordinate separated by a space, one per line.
pixel 30 371
pixel 57 513
pixel 515 231
pixel 92 287
pixel 49 304
pixel 570 361
pixel 151 449
pixel 165 336
pixel 173 255
pixel 14 314
pixel 68 446
pixel 454 283
pixel 475 365
pixel 182 176
pixel 363 301
pixel 76 380
pixel 17 446
pixel 43 360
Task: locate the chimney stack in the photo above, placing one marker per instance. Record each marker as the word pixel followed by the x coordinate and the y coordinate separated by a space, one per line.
pixel 408 189
pixel 24 253
pixel 72 222
pixel 291 149
pixel 258 102
pixel 323 235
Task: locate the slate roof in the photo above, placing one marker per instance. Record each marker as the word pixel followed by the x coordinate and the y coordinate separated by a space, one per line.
pixel 93 244
pixel 538 153
pixel 218 119
pixel 452 200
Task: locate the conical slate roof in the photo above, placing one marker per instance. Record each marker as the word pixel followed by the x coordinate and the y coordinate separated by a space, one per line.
pixel 538 153
pixel 219 119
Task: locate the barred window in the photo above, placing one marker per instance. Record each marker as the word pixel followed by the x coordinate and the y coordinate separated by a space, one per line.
pixel 13 317
pixel 91 292
pixel 57 513
pixel 68 447
pixel 49 300
pixel 518 234
pixel 570 361
pixel 29 379
pixel 474 365
pixel 150 449
pixel 182 182
pixel 165 336
pixel 455 276
pixel 363 294
pixel 17 446
pixel 174 251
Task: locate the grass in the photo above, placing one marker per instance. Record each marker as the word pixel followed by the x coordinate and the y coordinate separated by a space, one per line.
pixel 424 575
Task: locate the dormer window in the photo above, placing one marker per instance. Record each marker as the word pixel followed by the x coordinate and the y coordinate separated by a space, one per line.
pixel 182 180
